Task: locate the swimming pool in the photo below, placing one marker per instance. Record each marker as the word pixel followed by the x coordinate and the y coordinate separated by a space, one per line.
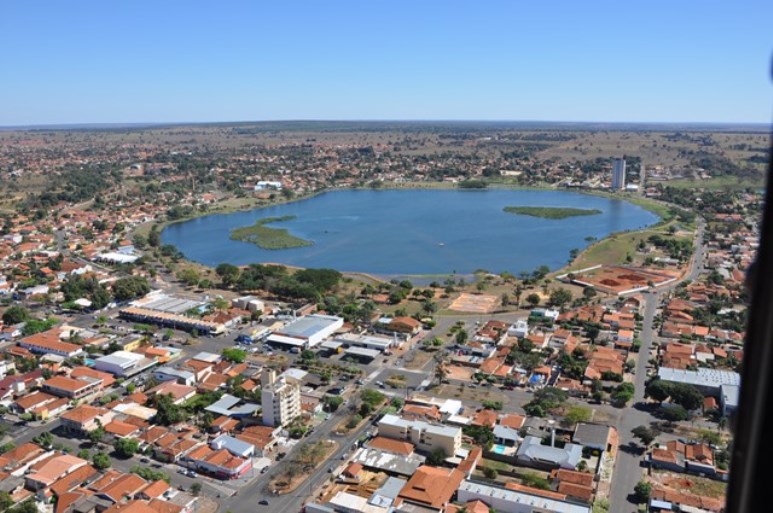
pixel 499 449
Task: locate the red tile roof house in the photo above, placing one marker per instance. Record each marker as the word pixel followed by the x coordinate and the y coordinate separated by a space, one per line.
pixel 18 460
pixel 220 464
pixel 47 472
pixel 72 388
pixel 485 418
pixel 85 419
pixel 431 486
pixel 179 393
pixel 49 342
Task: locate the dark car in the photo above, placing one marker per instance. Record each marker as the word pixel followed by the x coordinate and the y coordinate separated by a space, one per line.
pixel 264 502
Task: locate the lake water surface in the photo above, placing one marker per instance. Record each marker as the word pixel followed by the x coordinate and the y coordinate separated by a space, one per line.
pixel 414 232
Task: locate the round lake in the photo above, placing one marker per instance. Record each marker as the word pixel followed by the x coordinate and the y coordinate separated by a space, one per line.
pixel 414 232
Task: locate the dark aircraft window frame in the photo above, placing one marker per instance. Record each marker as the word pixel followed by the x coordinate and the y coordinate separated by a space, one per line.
pixel 751 487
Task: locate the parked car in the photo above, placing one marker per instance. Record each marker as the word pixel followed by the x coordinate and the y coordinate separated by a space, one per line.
pixel 263 502
pixel 191 473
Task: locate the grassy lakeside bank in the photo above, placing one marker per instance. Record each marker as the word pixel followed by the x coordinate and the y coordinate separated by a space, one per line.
pixel 269 238
pixel 552 212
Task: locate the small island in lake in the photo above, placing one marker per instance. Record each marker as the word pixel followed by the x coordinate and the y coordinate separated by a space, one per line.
pixel 552 212
pixel 269 238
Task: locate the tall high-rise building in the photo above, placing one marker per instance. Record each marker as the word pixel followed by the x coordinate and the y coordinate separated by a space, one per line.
pixel 281 398
pixel 618 174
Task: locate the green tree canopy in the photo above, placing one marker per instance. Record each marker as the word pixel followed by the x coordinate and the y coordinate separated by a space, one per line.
pixel 234 354
pixel 15 314
pixel 126 447
pixel 131 287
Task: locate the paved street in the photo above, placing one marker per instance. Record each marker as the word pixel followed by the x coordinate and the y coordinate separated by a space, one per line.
pixel 628 470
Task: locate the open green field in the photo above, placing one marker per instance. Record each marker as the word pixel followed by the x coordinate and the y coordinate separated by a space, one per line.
pixel 552 212
pixel 269 238
pixel 729 183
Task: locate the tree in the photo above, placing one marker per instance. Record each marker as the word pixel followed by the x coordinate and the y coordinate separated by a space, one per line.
pixel 622 394
pixel 560 297
pixel 686 395
pixel 44 440
pixel 125 447
pixel 101 461
pixel 492 405
pixel 518 292
pixel 710 437
pixel 461 337
pixel 505 299
pixel 15 315
pixel 490 472
pixel 673 413
pixel 308 355
pixel 592 332
pixel 436 457
pixel 533 299
pixel 644 434
pixel 589 292
pixel 167 413
pixel 440 372
pixel 483 435
pixel 333 402
pixel 642 491
pixel 189 276
pixel 234 354
pixel 229 274
pixel 97 435
pixel 195 489
pixel 658 389
pixel 131 287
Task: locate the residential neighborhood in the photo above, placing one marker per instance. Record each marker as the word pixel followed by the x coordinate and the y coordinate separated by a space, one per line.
pixel 135 379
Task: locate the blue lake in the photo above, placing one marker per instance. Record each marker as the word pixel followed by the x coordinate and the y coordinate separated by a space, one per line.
pixel 411 232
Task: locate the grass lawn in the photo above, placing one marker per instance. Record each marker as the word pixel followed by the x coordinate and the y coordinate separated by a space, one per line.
pixel 496 465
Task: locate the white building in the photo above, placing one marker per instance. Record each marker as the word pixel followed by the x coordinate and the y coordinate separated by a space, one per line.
pixel 280 398
pixel 250 303
pixel 123 363
pixel 308 331
pixel 618 174
pixel 520 329
pixel 426 437
pixel 512 501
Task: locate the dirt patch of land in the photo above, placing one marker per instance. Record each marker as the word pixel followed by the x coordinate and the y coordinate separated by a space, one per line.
pixel 475 303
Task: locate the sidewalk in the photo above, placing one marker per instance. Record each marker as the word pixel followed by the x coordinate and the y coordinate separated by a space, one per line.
pixel 605 477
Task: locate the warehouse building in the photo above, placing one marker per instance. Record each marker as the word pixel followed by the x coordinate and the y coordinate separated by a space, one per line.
pixel 307 332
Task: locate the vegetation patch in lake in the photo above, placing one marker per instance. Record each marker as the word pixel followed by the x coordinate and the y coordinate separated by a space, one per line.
pixel 552 212
pixel 269 238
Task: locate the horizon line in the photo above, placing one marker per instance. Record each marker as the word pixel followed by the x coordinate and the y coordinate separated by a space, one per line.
pixel 136 124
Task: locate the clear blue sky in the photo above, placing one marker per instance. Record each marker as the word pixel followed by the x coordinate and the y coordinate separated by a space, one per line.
pixel 84 61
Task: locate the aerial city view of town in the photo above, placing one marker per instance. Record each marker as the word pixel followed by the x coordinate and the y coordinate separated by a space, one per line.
pixel 366 316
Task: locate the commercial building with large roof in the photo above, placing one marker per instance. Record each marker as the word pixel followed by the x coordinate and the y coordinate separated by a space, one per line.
pixel 124 363
pixel 708 381
pixel 516 501
pixel 307 331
